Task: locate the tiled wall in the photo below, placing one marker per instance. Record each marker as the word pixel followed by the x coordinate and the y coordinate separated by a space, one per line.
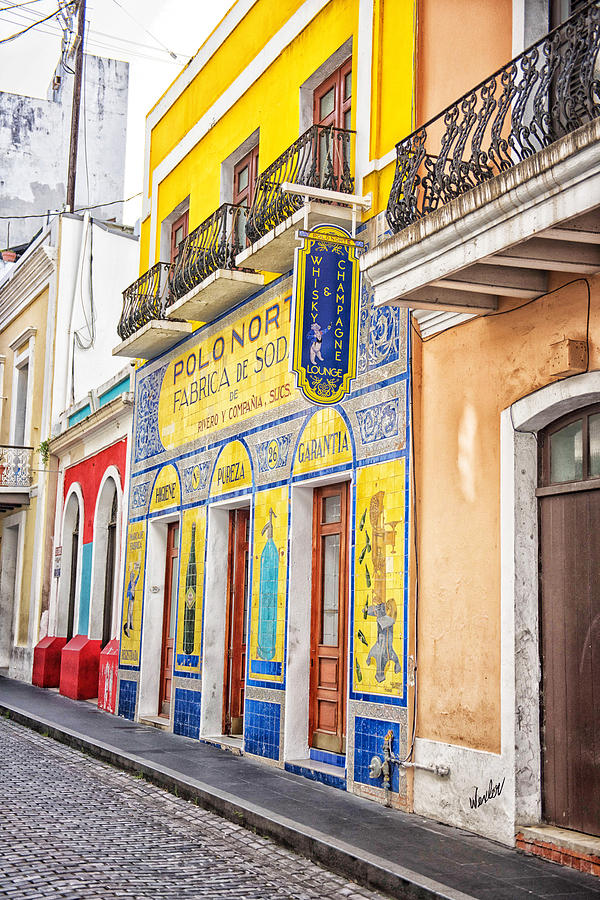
pixel 187 713
pixel 127 698
pixel 369 735
pixel 261 728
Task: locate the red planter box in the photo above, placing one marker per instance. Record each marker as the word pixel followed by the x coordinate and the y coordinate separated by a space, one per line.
pixel 79 665
pixel 107 679
pixel 46 661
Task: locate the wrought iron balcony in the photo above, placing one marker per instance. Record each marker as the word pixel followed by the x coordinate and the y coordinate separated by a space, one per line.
pixel 15 467
pixel 546 92
pixel 319 158
pixel 144 300
pixel 211 246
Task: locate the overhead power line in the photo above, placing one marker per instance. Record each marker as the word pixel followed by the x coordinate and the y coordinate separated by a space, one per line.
pixel 29 27
pixel 18 5
pixel 149 33
pixel 56 212
pixel 106 42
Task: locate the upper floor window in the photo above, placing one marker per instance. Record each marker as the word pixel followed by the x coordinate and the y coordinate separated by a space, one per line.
pixel 20 424
pixel 332 99
pixel 560 10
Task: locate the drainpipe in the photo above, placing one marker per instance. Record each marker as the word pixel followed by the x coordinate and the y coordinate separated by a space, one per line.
pixel 68 381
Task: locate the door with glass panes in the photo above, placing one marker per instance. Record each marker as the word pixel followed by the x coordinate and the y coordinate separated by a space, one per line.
pixel 327 709
pixel 332 102
pixel 169 619
pixel 235 622
pixel 569 519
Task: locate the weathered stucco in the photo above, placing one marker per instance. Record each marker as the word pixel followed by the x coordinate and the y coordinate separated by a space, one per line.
pixel 34 146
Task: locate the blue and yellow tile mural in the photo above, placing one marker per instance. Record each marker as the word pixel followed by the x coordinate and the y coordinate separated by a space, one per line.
pixel 219 423
pixel 379 581
pixel 188 644
pixel 268 609
pixel 131 619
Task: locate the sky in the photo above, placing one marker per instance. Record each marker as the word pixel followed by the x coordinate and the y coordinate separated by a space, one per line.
pixel 139 31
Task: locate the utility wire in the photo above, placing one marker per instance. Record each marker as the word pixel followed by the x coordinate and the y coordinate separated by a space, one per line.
pixel 29 27
pixel 30 14
pixel 149 33
pixel 154 54
pixel 57 212
pixel 18 5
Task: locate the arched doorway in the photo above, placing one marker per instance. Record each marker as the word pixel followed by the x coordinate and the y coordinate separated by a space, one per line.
pixel 569 542
pixel 74 552
pixel 109 572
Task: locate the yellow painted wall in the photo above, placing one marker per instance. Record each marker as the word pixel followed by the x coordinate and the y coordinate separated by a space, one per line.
pixel 458 485
pixel 35 316
pixel 272 103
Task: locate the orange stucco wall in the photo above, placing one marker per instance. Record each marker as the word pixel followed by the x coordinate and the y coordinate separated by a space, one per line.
pixel 459 43
pixel 464 378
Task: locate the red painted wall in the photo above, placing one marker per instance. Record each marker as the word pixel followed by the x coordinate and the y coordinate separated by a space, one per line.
pixel 89 474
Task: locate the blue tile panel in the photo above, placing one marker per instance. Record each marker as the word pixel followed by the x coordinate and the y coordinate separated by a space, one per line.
pixel 369 735
pixel 187 713
pixel 114 391
pixel 127 697
pixel 80 414
pixel 334 759
pixel 261 728
pixel 264 667
pixel 336 781
pixel 188 659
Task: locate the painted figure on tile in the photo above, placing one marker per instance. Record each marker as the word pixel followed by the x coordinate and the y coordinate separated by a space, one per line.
pixel 134 574
pixel 267 597
pixel 384 610
pixel 315 336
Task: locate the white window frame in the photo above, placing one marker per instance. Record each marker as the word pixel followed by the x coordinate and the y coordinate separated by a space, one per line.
pixel 23 348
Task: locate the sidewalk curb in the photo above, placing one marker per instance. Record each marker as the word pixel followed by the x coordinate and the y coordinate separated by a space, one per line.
pixel 366 869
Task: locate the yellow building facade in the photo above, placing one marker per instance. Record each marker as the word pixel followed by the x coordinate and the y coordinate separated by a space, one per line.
pixel 265 599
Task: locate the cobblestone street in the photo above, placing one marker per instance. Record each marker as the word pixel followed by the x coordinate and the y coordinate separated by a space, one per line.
pixel 74 827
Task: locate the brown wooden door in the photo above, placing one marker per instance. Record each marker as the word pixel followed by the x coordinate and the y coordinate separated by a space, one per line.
pixel 235 623
pixel 169 619
pixel 179 232
pixel 569 507
pixel 332 102
pixel 245 174
pixel 327 709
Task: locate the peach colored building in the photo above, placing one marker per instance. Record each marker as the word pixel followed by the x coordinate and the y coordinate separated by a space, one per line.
pixel 494 247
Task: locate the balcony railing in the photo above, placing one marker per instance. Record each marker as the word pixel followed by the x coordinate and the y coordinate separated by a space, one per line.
pixel 144 300
pixel 15 466
pixel 319 158
pixel 212 245
pixel 549 90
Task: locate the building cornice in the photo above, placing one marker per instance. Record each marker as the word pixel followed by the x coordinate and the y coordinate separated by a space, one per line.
pixel 26 282
pixel 92 424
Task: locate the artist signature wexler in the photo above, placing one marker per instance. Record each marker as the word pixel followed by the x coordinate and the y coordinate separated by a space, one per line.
pixel 491 792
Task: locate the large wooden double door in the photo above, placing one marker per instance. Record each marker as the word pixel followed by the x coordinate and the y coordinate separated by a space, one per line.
pixel 327 708
pixel 236 622
pixel 569 512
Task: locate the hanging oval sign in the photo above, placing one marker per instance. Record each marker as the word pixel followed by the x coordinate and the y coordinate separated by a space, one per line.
pixel 326 310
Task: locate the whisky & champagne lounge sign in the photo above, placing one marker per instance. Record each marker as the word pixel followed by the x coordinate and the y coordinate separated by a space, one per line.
pixel 326 308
